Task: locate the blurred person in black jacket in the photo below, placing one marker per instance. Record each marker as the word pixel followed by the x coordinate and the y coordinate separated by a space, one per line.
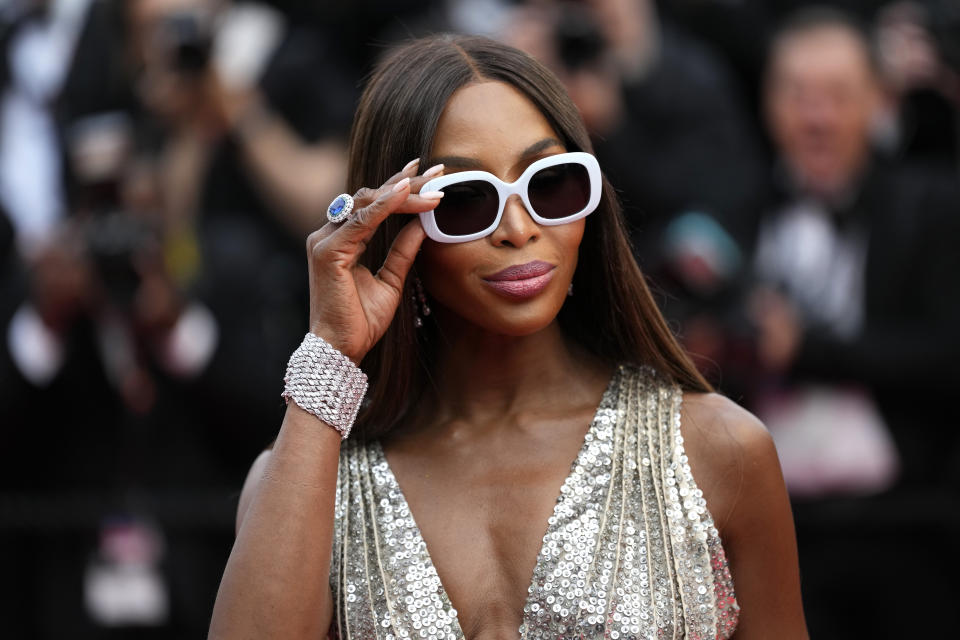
pixel 252 114
pixel 662 109
pixel 856 313
pixel 98 352
pixel 859 254
pixel 676 143
pixel 216 183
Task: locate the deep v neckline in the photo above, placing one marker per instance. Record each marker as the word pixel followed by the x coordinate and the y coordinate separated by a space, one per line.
pixel 585 455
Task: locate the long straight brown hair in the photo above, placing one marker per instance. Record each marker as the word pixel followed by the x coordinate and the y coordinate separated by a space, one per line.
pixel 612 313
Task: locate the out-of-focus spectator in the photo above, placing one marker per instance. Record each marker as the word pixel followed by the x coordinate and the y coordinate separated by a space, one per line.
pixel 855 253
pixel 670 133
pixel 96 352
pixel 856 312
pixel 144 341
pixel 251 114
pixel 213 74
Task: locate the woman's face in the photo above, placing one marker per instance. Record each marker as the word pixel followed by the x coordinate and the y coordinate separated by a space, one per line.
pixel 514 281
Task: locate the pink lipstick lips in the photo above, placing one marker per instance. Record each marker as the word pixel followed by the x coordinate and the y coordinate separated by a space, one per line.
pixel 523 280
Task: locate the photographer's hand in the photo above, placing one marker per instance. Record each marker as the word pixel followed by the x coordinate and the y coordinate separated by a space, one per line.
pixel 62 283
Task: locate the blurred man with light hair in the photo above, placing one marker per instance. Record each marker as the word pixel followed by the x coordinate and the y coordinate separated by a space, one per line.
pixel 856 313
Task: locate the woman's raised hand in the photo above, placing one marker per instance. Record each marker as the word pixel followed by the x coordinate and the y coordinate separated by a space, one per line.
pixel 350 307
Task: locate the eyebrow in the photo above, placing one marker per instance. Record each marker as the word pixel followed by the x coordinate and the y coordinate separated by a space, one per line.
pixel 461 162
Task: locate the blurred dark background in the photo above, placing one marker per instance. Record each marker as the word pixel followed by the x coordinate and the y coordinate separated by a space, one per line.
pixel 790 174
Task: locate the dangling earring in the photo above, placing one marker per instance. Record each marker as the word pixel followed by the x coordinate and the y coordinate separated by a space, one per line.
pixel 570 291
pixel 419 303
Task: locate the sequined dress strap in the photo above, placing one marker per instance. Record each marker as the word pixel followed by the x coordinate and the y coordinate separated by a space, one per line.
pixel 631 551
pixel 383 581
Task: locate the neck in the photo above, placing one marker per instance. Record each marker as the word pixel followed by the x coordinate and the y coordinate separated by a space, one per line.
pixel 483 377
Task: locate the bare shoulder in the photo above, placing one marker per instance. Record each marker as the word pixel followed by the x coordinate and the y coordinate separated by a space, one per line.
pixel 251 484
pixel 735 464
pixel 721 423
pixel 729 450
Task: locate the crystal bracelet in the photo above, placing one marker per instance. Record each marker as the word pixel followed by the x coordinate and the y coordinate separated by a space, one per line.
pixel 326 383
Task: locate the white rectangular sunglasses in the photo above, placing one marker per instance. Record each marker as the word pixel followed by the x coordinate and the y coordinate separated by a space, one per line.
pixel 555 190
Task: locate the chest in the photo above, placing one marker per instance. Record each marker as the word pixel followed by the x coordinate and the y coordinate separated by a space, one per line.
pixel 483 519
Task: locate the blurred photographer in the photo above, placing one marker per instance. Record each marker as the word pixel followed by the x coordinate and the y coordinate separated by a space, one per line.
pixel 662 109
pixel 104 266
pixel 213 74
pixel 855 254
pixel 856 314
pixel 676 144
pixel 185 153
pixel 94 363
pixel 250 115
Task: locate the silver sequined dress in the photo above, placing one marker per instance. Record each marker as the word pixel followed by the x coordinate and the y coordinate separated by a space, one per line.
pixel 630 550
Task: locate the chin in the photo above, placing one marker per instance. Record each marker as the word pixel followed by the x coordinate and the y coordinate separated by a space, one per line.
pixel 522 329
pixel 507 317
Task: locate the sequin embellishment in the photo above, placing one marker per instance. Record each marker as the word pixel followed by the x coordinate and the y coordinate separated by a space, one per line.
pixel 630 550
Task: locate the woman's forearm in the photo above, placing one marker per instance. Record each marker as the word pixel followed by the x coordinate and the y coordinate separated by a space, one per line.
pixel 276 583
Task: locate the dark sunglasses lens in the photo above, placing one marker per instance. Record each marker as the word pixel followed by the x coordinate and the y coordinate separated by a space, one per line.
pixel 467 207
pixel 560 191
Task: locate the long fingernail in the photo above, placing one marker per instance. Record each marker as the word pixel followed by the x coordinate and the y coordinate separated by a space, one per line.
pixel 431 194
pixel 403 184
pixel 433 171
pixel 411 164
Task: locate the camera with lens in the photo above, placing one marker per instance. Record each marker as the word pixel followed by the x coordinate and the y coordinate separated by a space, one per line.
pixel 578 38
pixel 99 150
pixel 115 240
pixel 188 34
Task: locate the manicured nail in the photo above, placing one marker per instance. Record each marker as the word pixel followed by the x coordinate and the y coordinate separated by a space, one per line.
pixel 431 194
pixel 411 164
pixel 433 171
pixel 403 184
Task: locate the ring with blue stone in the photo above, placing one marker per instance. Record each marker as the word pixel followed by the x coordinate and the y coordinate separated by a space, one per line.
pixel 340 208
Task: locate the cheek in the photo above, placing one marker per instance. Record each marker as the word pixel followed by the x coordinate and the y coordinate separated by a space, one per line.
pixel 444 268
pixel 568 238
pixel 572 234
pixel 439 255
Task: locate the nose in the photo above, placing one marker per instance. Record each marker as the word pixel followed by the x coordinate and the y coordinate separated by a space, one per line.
pixel 817 111
pixel 516 227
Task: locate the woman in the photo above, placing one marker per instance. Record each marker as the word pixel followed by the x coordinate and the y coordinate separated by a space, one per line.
pixel 538 346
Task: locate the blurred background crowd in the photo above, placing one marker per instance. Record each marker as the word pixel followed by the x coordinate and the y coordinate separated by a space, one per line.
pixel 790 174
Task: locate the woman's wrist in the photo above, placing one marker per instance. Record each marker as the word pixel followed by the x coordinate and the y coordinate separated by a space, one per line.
pixel 329 336
pixel 323 381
